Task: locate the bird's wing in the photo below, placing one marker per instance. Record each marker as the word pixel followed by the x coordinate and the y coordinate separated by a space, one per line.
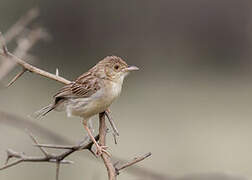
pixel 83 87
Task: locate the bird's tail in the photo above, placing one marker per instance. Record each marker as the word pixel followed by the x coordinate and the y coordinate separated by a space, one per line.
pixel 42 112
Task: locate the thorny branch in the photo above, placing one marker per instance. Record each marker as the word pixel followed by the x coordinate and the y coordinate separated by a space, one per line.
pixel 130 163
pixel 113 169
pixel 102 141
pixel 21 123
pixel 5 53
pixel 24 45
pixel 47 157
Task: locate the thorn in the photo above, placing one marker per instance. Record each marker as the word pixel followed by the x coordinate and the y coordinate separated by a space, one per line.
pixel 116 163
pixel 67 162
pixel 57 72
pixel 115 139
pixel 7 158
pixel 16 77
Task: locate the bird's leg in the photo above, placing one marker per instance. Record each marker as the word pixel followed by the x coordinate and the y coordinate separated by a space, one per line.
pixel 99 149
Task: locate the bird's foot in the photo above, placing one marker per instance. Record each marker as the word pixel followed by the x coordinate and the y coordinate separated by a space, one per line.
pixel 102 149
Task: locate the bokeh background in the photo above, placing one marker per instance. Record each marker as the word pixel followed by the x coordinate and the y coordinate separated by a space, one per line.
pixel 190 104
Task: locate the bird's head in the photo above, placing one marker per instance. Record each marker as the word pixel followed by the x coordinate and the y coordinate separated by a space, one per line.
pixel 115 68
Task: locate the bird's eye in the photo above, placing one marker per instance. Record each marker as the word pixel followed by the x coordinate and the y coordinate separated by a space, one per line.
pixel 116 67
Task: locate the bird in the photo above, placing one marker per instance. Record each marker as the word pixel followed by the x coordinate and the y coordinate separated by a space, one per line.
pixel 91 93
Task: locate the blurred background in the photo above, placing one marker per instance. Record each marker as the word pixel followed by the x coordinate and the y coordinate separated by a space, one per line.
pixel 190 104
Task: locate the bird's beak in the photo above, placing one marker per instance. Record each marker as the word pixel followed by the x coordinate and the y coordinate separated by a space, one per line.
pixel 132 68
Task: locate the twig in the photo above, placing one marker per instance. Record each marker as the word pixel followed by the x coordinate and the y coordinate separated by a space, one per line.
pixel 16 77
pixel 52 146
pixel 130 163
pixel 112 169
pixel 20 123
pixel 21 157
pixel 48 157
pixel 4 52
pixel 112 123
pixel 36 142
pixel 24 44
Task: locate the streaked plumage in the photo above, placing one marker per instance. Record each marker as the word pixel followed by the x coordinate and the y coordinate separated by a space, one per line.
pixel 92 92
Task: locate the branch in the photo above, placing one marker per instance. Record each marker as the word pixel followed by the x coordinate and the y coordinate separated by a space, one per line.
pixel 47 157
pixel 130 163
pixel 102 140
pixel 24 44
pixel 112 169
pixel 28 67
pixel 21 123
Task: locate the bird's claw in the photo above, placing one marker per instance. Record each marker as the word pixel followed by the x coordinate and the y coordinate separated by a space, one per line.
pixel 102 149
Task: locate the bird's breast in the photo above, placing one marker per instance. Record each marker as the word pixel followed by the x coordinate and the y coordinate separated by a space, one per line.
pixel 114 89
pixel 96 103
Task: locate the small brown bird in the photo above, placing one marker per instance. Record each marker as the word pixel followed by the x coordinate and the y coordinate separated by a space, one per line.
pixel 92 92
